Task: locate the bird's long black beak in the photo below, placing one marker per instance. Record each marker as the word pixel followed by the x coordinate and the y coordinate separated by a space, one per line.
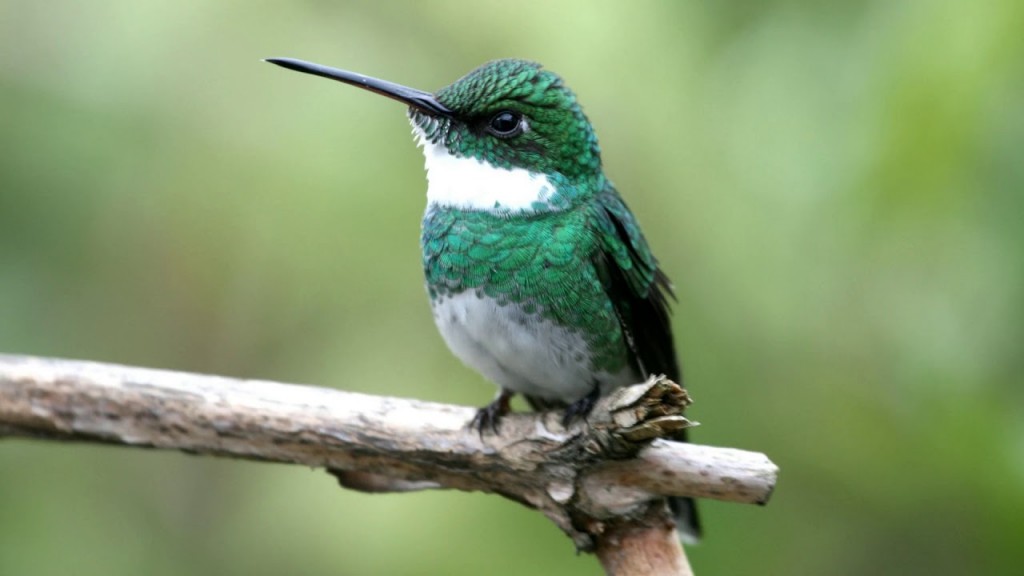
pixel 416 98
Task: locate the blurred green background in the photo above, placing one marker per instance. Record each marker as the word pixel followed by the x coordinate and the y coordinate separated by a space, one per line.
pixel 837 191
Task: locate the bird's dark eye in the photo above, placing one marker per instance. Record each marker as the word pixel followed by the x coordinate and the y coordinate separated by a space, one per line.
pixel 506 124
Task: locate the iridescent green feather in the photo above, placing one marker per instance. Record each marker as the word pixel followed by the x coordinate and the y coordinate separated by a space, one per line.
pixel 544 263
pixel 588 269
pixel 559 141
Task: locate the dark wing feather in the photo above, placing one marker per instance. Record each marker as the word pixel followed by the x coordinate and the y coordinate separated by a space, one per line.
pixel 640 292
pixel 639 289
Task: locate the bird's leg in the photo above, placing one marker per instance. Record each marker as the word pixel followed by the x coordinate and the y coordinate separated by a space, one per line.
pixel 582 407
pixel 490 416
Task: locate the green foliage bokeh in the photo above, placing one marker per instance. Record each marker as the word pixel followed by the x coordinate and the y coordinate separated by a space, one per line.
pixel 837 191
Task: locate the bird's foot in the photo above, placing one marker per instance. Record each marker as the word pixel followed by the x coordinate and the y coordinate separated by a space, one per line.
pixel 490 416
pixel 582 407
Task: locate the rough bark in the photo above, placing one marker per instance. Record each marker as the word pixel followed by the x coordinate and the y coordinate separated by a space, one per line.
pixel 645 544
pixel 601 480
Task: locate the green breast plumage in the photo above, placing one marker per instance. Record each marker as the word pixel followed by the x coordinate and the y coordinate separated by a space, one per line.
pixel 507 285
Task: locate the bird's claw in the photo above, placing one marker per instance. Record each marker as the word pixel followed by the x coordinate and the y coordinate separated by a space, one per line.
pixel 582 407
pixel 489 417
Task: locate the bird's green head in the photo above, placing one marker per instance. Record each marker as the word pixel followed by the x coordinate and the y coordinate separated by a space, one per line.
pixel 513 114
pixel 509 135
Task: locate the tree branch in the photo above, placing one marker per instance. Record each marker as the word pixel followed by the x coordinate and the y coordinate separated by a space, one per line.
pixel 591 479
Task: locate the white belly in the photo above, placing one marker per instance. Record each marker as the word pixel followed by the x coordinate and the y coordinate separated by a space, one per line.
pixel 521 352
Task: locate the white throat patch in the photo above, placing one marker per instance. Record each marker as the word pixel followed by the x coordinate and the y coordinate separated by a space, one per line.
pixel 473 184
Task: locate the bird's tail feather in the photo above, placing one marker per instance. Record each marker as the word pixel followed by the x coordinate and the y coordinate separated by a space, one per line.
pixel 687 520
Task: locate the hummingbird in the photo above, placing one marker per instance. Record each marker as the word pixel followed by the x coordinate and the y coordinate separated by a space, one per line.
pixel 538 274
